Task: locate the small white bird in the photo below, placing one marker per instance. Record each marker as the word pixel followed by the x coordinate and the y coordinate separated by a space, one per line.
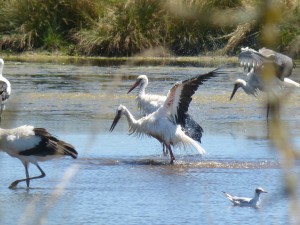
pixel 242 201
pixel 32 145
pixel 5 89
pixel 165 123
pixel 257 63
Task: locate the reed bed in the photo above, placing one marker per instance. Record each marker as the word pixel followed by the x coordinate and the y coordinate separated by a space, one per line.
pixel 129 27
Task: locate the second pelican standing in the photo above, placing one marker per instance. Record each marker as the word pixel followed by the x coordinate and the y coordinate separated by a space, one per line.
pixel 165 123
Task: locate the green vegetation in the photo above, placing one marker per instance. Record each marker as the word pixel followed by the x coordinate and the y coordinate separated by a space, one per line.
pixel 130 27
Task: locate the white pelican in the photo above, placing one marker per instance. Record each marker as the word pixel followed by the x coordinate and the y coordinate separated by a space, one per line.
pixel 256 63
pixel 165 123
pixel 5 89
pixel 242 201
pixel 32 145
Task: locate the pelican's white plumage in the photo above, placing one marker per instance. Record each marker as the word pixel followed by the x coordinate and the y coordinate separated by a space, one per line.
pixel 249 202
pixel 5 89
pixel 32 145
pixel 165 123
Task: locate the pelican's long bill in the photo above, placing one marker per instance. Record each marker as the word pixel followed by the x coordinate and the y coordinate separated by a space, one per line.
pixel 116 120
pixel 235 88
pixel 134 85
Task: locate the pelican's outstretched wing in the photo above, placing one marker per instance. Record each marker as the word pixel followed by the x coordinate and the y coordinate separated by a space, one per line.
pixel 180 96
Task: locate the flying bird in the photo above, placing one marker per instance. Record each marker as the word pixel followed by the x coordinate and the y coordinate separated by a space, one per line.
pixel 32 145
pixel 258 63
pixel 242 201
pixel 165 124
pixel 5 89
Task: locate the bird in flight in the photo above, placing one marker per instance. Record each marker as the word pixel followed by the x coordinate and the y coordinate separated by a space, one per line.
pixel 259 65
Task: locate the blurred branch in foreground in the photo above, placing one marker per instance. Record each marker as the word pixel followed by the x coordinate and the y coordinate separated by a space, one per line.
pixel 270 37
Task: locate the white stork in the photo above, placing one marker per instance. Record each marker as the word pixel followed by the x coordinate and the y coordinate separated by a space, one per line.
pixel 5 89
pixel 149 103
pixel 32 145
pixel 257 64
pixel 165 123
pixel 242 201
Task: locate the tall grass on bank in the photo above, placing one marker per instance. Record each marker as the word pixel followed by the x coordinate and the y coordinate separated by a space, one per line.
pixel 132 26
pixel 31 24
pixel 128 27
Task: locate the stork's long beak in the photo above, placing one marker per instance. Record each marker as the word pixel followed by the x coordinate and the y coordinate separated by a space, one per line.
pixel 116 120
pixel 235 88
pixel 134 86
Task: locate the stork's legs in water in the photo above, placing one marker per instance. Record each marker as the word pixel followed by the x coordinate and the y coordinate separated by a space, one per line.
pixel 165 149
pixel 171 154
pixel 15 183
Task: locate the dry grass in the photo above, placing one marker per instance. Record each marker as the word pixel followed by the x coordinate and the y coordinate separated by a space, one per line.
pixel 129 27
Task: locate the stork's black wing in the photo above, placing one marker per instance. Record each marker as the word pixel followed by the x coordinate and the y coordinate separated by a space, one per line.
pixel 49 145
pixel 180 95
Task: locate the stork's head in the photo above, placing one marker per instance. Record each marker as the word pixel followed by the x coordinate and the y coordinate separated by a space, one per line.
pixel 259 190
pixel 237 84
pixel 117 117
pixel 142 80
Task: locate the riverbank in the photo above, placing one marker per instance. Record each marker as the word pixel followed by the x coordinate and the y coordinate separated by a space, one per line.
pixel 45 57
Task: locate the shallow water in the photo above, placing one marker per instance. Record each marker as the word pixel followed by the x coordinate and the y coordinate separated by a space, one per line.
pixel 122 179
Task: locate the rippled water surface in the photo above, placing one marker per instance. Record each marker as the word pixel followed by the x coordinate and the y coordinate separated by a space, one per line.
pixel 122 179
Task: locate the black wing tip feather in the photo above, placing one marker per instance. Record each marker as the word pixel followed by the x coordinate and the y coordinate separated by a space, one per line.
pixel 189 88
pixel 50 145
pixel 68 149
